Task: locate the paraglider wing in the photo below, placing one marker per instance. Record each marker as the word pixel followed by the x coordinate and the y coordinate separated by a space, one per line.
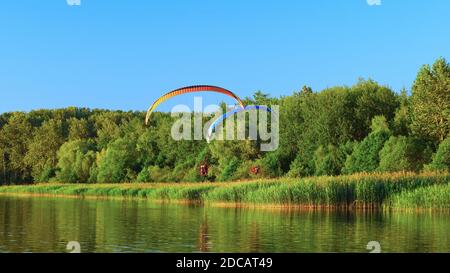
pixel 191 89
pixel 231 113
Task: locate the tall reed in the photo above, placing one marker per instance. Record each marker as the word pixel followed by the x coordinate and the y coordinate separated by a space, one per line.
pixel 360 190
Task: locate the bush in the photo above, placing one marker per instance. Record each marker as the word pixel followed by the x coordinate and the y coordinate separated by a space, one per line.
pixel 243 171
pixel 302 166
pixel 144 176
pixel 229 169
pixel 441 159
pixel 271 165
pixel 403 154
pixel 119 162
pixel 47 174
pixel 158 174
pixel 75 160
pixel 193 175
pixel 365 157
pixel 330 160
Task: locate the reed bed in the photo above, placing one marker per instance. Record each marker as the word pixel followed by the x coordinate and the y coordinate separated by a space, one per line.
pixel 361 190
pixel 433 197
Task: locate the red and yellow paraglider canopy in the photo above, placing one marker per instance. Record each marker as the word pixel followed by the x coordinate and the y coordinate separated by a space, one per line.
pixel 191 89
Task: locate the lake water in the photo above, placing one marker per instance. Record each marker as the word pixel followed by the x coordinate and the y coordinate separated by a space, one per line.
pixel 32 224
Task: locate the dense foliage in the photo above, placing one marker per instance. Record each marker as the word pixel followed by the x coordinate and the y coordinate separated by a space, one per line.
pixel 340 130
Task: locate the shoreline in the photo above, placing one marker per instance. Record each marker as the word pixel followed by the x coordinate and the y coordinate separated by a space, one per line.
pixel 277 207
pixel 406 191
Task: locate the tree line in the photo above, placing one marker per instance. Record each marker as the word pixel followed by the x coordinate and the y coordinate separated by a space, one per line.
pixel 366 127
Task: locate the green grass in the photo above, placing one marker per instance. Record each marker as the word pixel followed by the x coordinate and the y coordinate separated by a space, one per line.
pixel 149 191
pixel 436 196
pixel 361 190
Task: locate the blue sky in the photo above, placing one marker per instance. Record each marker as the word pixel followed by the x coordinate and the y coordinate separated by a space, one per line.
pixel 121 54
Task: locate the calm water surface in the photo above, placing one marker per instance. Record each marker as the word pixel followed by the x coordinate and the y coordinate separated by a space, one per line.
pixel 31 224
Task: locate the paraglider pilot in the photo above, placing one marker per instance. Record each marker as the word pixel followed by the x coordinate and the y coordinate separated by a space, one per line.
pixel 203 170
pixel 255 170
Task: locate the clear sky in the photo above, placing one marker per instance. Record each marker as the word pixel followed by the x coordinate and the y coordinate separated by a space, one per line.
pixel 121 54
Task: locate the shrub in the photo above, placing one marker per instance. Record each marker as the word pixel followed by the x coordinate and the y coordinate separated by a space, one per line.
pixel 403 154
pixel 329 160
pixel 229 169
pixel 144 175
pixel 75 159
pixel 365 157
pixel 302 166
pixel 441 159
pixel 271 165
pixel 119 161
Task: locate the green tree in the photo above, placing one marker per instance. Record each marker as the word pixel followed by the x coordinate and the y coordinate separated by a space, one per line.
pixel 80 129
pixel 229 169
pixel 403 154
pixel 441 159
pixel 319 135
pixel 431 102
pixel 119 162
pixel 14 139
pixel 108 127
pixel 402 120
pixel 75 160
pixel 144 175
pixel 330 160
pixel 271 166
pixel 292 123
pixel 334 116
pixel 43 149
pixel 368 100
pixel 365 157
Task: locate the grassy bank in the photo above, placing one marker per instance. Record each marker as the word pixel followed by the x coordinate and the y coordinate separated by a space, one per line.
pixel 362 190
pixel 436 196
